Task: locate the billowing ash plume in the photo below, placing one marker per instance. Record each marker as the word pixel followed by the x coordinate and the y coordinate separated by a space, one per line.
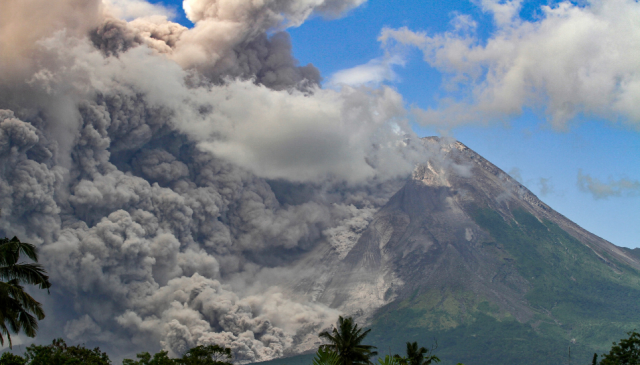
pixel 171 175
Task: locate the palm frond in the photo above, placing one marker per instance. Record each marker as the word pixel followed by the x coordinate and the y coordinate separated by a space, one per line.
pixel 33 274
pixel 389 360
pixel 18 310
pixel 25 248
pixel 26 301
pixel 362 336
pixel 28 323
pixel 346 340
pixel 5 331
pixel 326 357
pixel 8 256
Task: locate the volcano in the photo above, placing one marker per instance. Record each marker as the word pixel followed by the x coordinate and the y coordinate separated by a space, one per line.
pixel 467 257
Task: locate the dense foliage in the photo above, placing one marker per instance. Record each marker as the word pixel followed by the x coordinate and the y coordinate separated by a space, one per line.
pixel 417 356
pixel 626 352
pixel 199 355
pixel 57 353
pixel 10 359
pixel 161 358
pixel 18 310
pixel 345 347
pixel 327 357
pixel 346 341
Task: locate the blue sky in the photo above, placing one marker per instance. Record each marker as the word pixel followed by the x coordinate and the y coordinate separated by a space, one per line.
pixel 547 155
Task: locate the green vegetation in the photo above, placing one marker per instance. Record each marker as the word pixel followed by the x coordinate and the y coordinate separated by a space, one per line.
pixel 388 360
pixel 346 341
pixel 326 357
pixel 581 303
pixel 59 353
pixel 161 358
pixel 485 340
pixel 345 348
pixel 627 352
pixel 10 359
pixel 18 310
pixel 417 356
pixel 577 294
pixel 199 355
pixel 569 280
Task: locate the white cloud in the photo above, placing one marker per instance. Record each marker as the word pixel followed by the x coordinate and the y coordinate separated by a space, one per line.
pixel 575 59
pixel 372 73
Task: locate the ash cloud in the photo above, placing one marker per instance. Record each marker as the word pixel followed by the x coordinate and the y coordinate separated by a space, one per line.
pixel 545 186
pixel 612 188
pixel 171 176
pixel 516 174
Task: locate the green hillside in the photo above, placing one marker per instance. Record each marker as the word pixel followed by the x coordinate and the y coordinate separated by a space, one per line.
pixel 581 303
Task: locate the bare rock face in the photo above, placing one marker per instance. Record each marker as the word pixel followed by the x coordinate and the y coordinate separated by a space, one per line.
pixel 463 241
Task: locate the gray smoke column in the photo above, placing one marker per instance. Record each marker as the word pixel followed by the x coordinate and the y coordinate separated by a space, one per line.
pixel 172 176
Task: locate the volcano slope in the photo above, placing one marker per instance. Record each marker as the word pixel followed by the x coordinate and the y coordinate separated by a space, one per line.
pixel 466 256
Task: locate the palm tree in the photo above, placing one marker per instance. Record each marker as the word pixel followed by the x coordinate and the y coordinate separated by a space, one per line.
pixel 326 357
pixel 18 310
pixel 417 356
pixel 346 341
pixel 389 360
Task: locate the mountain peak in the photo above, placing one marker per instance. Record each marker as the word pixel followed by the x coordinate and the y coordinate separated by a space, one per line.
pixel 463 242
pixel 502 192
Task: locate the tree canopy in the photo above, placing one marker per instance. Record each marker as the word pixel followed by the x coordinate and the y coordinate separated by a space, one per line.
pixel 346 341
pixel 417 356
pixel 59 353
pixel 161 358
pixel 18 310
pixel 199 355
pixel 626 352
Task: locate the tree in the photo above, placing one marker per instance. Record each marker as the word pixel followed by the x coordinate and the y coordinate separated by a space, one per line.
pixel 206 355
pixel 326 357
pixel 59 353
pixel 11 359
pixel 199 355
pixel 388 360
pixel 346 341
pixel 18 310
pixel 417 356
pixel 627 352
pixel 161 358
